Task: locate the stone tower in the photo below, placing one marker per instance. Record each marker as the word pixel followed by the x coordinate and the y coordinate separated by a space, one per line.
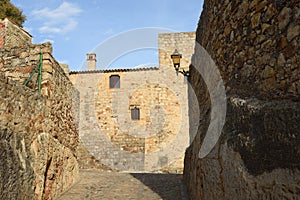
pixel 91 61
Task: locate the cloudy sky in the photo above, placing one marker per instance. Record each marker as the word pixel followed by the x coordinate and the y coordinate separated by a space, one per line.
pixel 80 26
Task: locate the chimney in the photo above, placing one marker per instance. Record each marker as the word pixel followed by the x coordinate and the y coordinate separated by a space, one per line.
pixel 91 61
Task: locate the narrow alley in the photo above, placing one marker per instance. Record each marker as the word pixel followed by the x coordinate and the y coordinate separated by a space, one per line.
pixel 96 185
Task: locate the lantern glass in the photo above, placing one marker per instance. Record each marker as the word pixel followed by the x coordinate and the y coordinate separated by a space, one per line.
pixel 176 58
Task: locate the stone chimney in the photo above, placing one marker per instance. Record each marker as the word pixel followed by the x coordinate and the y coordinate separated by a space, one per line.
pixel 91 61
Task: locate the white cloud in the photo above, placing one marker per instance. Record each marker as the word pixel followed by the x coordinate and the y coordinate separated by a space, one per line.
pixel 59 20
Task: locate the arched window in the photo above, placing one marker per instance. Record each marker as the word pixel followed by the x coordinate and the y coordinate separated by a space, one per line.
pixel 135 113
pixel 114 81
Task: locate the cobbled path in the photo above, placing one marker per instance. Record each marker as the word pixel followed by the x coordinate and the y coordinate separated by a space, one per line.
pixel 98 185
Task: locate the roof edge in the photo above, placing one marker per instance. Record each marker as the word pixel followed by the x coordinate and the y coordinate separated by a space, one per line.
pixel 114 70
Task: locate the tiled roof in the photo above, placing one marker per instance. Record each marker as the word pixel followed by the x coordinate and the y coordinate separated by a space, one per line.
pixel 114 70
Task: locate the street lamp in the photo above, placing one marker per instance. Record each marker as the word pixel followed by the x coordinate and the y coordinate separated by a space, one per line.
pixel 176 62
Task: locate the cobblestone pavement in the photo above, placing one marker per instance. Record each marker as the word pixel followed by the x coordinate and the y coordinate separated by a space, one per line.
pixel 98 185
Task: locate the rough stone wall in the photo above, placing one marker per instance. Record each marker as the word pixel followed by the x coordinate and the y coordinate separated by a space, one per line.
pixel 17 63
pixel 35 163
pixel 12 35
pixel 255 45
pixel 184 42
pixel 2 35
pixel 39 130
pixel 155 141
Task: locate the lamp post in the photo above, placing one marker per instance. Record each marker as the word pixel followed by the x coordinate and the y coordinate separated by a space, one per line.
pixel 176 56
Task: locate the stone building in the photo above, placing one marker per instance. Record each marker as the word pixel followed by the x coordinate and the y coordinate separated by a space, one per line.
pixel 137 119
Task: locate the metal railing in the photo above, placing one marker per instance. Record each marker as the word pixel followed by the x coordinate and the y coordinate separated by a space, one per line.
pixel 38 68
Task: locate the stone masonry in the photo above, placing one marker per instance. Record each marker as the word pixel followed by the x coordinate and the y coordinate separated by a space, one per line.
pixel 13 35
pixel 38 133
pixel 109 134
pixel 184 42
pixel 158 139
pixel 255 45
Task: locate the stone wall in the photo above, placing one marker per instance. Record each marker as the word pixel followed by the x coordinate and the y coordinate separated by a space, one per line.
pixel 155 141
pixel 255 45
pixel 35 162
pixel 12 35
pixel 17 63
pixel 39 136
pixel 184 42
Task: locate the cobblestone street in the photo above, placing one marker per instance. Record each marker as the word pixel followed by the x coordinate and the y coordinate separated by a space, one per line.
pixel 96 185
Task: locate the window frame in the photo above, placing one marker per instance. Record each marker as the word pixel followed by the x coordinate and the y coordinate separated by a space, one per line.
pixel 114 81
pixel 135 114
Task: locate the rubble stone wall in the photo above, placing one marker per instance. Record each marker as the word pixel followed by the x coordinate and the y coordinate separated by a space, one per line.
pixel 34 161
pixel 12 35
pixel 156 140
pixel 17 63
pixel 39 134
pixel 255 45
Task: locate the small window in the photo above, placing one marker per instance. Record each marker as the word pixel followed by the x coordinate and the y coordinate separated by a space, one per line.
pixel 114 81
pixel 135 113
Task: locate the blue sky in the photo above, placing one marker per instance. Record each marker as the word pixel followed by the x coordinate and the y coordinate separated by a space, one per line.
pixel 78 27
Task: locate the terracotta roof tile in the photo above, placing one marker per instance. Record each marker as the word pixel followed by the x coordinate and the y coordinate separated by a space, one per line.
pixel 114 70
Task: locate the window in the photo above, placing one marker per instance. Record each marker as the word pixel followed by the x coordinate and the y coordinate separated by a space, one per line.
pixel 114 81
pixel 135 113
